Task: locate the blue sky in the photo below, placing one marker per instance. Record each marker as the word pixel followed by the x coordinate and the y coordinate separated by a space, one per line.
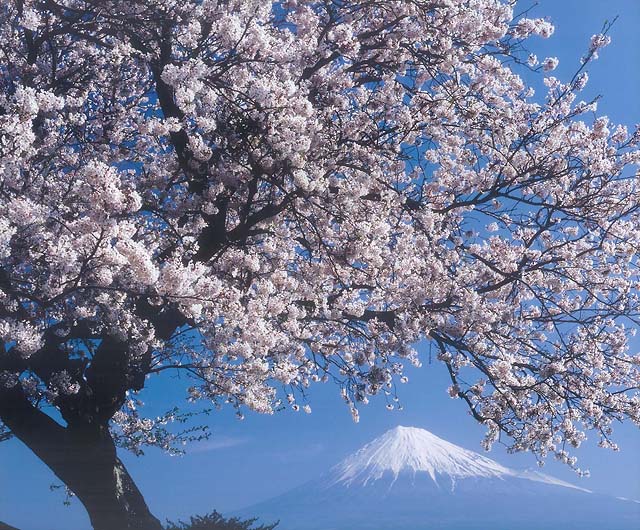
pixel 262 456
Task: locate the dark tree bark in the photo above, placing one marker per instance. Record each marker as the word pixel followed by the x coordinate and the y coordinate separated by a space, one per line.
pixel 84 457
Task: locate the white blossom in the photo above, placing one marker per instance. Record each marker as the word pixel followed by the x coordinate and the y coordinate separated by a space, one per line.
pixel 266 206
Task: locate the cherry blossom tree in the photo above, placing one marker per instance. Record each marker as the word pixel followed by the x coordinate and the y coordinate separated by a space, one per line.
pixel 262 195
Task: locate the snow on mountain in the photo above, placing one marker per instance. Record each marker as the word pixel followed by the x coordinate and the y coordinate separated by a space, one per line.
pixel 413 450
pixel 408 449
pixel 536 476
pixel 410 479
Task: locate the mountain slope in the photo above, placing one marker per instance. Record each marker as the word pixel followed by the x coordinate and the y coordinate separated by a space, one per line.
pixel 409 479
pixel 407 449
pixel 412 450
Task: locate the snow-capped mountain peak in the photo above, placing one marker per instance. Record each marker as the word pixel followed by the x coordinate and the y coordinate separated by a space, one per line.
pixel 410 479
pixel 409 449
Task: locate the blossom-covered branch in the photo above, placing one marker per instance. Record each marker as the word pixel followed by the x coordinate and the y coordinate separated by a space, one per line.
pixel 264 195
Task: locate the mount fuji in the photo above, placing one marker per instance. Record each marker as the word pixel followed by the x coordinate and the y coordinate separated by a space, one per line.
pixel 409 479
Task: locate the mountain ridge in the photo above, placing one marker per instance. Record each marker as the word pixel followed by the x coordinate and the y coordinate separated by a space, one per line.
pixel 411 449
pixel 410 479
pixel 417 450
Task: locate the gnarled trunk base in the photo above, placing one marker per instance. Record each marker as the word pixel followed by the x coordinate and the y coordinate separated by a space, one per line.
pixel 104 486
pixel 84 458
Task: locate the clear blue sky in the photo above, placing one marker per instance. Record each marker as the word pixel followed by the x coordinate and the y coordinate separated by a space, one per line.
pixel 257 458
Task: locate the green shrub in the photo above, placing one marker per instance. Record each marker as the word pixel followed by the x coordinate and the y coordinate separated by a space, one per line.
pixel 215 521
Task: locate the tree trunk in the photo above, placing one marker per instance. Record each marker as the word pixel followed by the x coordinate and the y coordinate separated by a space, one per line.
pixel 84 458
pixel 102 483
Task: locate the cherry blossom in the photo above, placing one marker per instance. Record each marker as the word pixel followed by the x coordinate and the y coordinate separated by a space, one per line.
pixel 265 195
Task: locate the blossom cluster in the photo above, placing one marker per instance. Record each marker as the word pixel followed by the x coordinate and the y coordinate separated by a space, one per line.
pixel 264 195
